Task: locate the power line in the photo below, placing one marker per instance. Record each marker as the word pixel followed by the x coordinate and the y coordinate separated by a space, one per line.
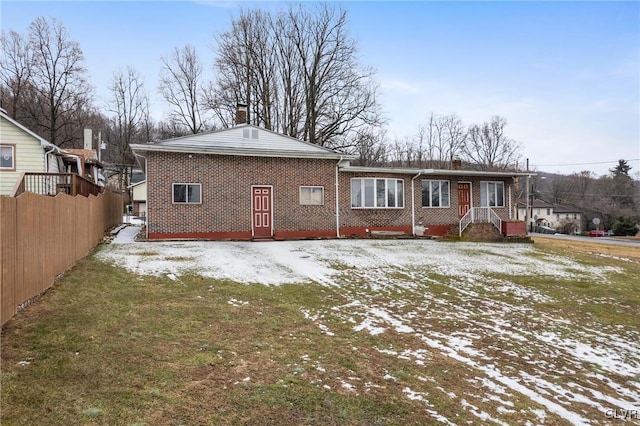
pixel 583 164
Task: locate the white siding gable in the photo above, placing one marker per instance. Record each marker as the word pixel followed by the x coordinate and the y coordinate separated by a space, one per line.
pixel 246 138
pixel 29 155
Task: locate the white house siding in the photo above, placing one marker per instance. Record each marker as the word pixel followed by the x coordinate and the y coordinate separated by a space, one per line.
pixel 555 219
pixel 29 155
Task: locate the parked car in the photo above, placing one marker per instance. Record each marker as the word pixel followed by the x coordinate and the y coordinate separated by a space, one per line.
pixel 545 230
pixel 597 233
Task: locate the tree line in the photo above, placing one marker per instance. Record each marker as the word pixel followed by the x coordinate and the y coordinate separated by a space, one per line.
pixel 613 198
pixel 297 69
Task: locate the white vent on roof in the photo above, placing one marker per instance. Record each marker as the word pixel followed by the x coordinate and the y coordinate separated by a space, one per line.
pixel 250 134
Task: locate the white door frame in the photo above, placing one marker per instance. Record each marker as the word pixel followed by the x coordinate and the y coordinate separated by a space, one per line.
pixel 253 234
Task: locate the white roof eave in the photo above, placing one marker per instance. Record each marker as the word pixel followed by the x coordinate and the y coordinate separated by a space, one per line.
pixel 433 172
pixel 250 152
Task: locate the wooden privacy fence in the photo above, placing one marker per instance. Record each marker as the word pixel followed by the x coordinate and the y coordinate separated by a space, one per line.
pixel 42 236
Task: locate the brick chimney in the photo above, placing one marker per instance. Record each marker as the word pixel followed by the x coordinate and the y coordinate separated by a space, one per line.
pixel 456 164
pixel 241 113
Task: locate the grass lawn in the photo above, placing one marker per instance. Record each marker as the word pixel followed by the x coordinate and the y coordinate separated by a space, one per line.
pixel 379 333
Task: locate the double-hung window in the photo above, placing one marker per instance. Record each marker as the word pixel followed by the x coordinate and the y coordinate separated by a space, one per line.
pixel 435 193
pixel 372 193
pixel 311 195
pixel 491 194
pixel 187 193
pixel 7 157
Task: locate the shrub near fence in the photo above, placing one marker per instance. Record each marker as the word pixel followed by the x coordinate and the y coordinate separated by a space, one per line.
pixel 42 236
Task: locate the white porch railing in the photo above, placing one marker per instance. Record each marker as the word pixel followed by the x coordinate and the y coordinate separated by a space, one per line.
pixel 480 215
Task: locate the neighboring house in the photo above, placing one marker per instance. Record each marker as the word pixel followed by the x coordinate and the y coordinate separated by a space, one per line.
pixel 557 217
pixel 139 198
pixel 21 151
pixel 568 219
pixel 92 168
pixel 247 182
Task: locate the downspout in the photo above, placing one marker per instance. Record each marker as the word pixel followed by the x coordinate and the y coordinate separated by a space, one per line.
pixel 79 163
pixel 146 195
pixel 48 149
pixel 413 203
pixel 338 200
pixel 510 203
pixel 526 209
pixel 46 159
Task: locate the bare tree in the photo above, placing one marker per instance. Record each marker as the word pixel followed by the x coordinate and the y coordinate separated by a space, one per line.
pixel 455 136
pixel 291 110
pixel 438 141
pixel 16 66
pixel 170 129
pixel 59 80
pixel 180 81
pixel 430 142
pixel 559 190
pixel 299 73
pixel 246 71
pixel 489 148
pixel 339 95
pixel 370 148
pixel 129 107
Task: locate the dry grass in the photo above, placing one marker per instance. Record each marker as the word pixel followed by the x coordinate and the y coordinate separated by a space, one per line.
pixel 587 247
pixel 105 346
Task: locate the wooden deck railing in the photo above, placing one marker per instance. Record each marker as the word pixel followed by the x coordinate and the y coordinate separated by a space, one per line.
pixel 55 183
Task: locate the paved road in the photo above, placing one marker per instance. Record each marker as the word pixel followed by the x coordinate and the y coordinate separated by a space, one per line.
pixel 602 240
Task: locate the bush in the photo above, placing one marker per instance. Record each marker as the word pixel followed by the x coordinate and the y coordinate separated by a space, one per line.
pixel 625 225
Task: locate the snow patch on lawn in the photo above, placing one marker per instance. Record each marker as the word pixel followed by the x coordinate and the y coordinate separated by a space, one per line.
pixel 285 262
pixel 418 288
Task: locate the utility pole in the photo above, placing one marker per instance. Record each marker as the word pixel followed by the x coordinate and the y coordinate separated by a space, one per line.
pixel 526 209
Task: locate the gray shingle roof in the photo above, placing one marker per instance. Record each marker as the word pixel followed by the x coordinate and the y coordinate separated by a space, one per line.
pixel 242 140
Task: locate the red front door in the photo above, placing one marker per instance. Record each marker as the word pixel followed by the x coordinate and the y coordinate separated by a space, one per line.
pixel 464 198
pixel 261 211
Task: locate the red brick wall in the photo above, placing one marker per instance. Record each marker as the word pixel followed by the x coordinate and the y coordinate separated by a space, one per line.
pixel 441 216
pixel 225 211
pixel 356 221
pixel 438 219
pixel 226 182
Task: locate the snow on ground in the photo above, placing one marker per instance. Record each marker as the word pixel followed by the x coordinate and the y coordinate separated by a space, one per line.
pixel 127 235
pixel 563 368
pixel 300 261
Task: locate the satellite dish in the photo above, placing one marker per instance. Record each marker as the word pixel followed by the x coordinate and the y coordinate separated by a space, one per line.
pixel 596 221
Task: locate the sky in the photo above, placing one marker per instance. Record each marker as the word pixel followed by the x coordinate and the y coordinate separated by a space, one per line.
pixel 565 75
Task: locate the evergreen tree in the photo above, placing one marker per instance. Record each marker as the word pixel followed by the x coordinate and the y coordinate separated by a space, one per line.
pixel 625 225
pixel 623 188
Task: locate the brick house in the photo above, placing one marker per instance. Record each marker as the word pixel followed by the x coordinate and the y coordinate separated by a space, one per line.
pixel 247 182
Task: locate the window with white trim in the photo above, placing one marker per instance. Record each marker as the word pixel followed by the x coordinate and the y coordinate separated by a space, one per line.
pixel 250 134
pixel 312 195
pixel 435 193
pixel 373 193
pixel 491 194
pixel 187 193
pixel 7 157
